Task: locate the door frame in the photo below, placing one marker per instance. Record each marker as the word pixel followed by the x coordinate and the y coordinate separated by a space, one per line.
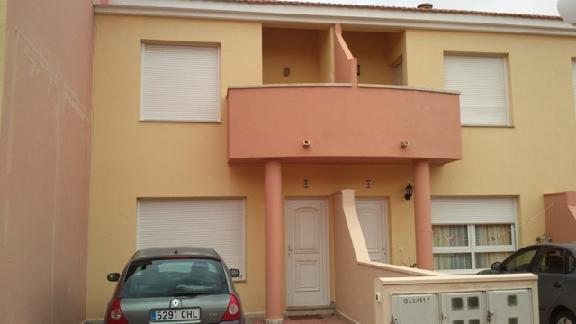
pixel 325 249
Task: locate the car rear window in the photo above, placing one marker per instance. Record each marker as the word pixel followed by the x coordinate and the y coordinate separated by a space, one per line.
pixel 174 277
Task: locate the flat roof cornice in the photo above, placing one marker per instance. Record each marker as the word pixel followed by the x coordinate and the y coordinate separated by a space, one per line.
pixel 295 12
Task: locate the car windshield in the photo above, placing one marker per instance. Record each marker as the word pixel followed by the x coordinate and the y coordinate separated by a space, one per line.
pixel 174 277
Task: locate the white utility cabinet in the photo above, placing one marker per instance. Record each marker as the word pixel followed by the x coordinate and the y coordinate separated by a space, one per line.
pixel 512 306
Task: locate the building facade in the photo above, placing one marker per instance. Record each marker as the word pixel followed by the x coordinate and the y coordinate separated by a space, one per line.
pixel 232 124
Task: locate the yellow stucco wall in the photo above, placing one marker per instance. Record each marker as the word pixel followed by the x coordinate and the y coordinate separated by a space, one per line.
pixel 132 159
pixel 376 53
pixel 303 51
pixel 535 156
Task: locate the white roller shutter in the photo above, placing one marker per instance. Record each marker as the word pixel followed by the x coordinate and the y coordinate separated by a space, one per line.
pixel 482 82
pixel 180 83
pixel 473 211
pixel 217 224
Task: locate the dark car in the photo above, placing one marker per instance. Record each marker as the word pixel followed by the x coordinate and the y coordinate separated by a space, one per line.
pixel 174 285
pixel 555 266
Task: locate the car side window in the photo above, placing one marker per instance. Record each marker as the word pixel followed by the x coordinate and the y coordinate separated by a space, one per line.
pixel 552 260
pixel 519 262
pixel 571 262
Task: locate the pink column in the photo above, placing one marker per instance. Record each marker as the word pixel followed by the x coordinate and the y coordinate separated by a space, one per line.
pixel 422 214
pixel 274 226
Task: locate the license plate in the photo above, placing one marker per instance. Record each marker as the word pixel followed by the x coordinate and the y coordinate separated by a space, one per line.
pixel 184 314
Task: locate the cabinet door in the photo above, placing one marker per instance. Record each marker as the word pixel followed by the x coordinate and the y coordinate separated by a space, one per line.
pixel 464 308
pixel 415 308
pixel 510 306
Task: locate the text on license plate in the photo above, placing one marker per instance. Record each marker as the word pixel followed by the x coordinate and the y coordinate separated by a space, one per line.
pixel 175 314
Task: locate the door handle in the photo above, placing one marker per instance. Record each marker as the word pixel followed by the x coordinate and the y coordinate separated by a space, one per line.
pixel 557 285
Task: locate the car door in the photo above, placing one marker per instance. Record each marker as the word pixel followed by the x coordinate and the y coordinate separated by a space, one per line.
pixel 551 268
pixel 568 297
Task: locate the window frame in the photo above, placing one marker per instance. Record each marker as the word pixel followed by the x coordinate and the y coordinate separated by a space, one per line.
pixel 473 249
pixel 218 113
pixel 508 109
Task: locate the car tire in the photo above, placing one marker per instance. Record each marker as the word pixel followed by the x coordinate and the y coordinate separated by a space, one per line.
pixel 564 317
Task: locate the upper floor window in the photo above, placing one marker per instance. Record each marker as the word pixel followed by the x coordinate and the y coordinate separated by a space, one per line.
pixel 482 82
pixel 180 83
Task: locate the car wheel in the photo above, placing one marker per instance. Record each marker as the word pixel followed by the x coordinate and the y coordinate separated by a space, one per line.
pixel 564 317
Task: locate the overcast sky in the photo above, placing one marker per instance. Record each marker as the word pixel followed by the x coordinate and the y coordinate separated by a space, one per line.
pixel 543 7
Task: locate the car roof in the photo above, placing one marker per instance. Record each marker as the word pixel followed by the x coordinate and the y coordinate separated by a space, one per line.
pixel 180 251
pixel 568 245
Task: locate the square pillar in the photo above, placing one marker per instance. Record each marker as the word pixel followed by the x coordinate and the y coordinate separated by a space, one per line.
pixel 423 214
pixel 274 237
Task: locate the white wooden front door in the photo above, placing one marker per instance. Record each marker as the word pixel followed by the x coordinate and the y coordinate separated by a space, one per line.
pixel 307 271
pixel 373 217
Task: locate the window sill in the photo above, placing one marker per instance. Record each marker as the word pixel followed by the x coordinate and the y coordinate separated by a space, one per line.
pixel 181 121
pixel 486 126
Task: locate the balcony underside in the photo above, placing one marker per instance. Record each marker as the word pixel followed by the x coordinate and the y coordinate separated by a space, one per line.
pixel 343 124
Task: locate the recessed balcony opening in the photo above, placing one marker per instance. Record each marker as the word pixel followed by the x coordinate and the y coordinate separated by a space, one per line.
pixel 296 56
pixel 380 56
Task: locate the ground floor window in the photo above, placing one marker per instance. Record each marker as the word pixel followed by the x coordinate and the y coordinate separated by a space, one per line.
pixel 212 223
pixel 470 234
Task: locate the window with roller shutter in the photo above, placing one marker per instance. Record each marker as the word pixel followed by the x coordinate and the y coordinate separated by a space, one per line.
pixel 483 85
pixel 470 234
pixel 211 223
pixel 180 83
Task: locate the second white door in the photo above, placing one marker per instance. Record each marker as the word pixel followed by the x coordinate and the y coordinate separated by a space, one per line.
pixel 373 217
pixel 307 271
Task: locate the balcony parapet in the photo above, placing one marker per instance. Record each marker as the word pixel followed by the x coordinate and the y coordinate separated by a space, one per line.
pixel 345 64
pixel 342 123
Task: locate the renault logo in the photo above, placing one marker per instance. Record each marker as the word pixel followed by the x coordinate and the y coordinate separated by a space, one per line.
pixel 175 303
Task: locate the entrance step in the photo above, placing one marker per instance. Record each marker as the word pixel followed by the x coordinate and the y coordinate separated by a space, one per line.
pixel 305 319
pixel 310 310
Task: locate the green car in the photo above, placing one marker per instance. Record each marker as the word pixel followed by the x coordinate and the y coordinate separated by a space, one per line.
pixel 174 285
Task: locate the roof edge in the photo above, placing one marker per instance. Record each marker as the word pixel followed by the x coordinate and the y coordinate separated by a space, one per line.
pixel 269 11
pixel 397 8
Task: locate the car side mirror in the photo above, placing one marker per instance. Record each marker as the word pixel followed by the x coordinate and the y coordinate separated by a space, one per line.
pixel 113 277
pixel 496 266
pixel 234 273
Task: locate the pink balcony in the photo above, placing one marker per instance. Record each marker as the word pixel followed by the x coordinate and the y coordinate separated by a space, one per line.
pixel 342 123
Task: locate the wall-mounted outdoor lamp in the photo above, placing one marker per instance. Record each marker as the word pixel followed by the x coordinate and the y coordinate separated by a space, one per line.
pixel 404 144
pixel 408 192
pixel 306 143
pixel 306 183
pixel 286 72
